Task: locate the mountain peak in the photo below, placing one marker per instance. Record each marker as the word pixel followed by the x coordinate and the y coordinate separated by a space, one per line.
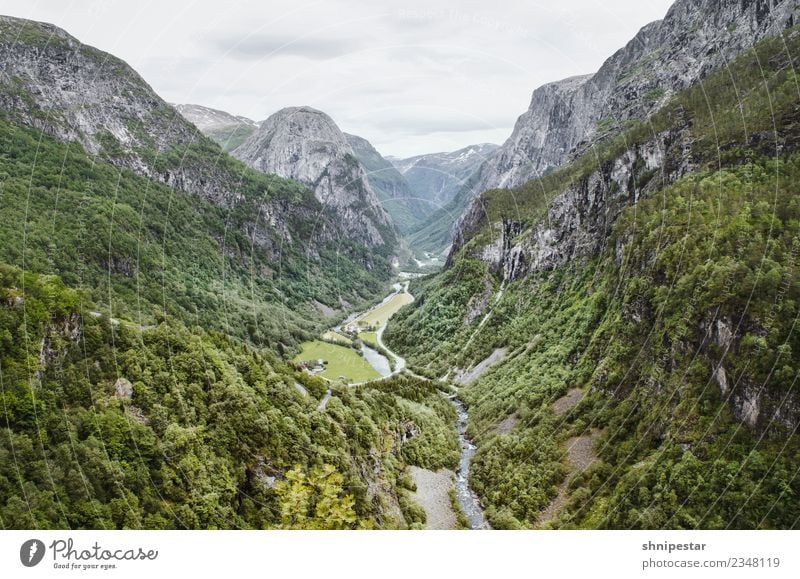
pixel 305 144
pixel 666 56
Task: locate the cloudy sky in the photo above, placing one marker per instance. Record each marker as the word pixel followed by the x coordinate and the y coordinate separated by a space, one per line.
pixel 413 77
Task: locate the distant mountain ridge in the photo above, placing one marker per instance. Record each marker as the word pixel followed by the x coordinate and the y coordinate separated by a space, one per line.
pixel 399 199
pixel 438 177
pixel 227 130
pixel 410 190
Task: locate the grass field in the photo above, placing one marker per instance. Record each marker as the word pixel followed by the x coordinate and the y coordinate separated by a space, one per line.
pixel 370 339
pixel 342 361
pixel 381 314
pixel 332 336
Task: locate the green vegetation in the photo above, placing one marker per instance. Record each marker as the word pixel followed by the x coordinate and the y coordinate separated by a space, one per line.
pixel 210 425
pixel 231 137
pixel 145 251
pixel 336 337
pixel 638 327
pixel 339 361
pixel 315 501
pixel 370 339
pixel 379 315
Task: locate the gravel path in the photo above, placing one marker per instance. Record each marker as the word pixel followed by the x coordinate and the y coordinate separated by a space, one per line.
pixel 432 494
pixel 324 402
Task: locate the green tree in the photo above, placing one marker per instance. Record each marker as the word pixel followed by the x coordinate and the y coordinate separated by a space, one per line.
pixel 315 500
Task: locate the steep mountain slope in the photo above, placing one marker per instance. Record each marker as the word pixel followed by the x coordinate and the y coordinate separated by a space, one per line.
pixel 225 129
pixel 106 184
pixel 155 286
pixel 397 197
pixel 694 38
pixel 639 302
pixel 76 93
pixel 304 144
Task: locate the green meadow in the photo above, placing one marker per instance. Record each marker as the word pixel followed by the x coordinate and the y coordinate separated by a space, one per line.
pixel 341 361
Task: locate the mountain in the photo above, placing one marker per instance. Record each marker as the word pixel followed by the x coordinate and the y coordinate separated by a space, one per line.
pixel 304 144
pixel 667 56
pixel 438 177
pixel 622 326
pixel 445 181
pixel 156 208
pixel 151 290
pixel 397 196
pixel 227 130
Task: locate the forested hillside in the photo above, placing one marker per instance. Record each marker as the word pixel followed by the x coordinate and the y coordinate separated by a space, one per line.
pixel 109 186
pixel 641 304
pixel 107 425
pixel 151 290
pixel 144 250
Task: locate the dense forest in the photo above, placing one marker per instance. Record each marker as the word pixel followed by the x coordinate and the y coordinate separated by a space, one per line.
pixel 678 337
pixel 109 425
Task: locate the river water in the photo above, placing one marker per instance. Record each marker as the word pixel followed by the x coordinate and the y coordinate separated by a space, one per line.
pixel 467 499
pixel 377 361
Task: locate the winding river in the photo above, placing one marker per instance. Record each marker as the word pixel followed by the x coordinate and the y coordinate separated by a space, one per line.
pixel 467 499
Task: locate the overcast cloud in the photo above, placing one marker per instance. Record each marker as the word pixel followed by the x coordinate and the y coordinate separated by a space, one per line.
pixel 412 77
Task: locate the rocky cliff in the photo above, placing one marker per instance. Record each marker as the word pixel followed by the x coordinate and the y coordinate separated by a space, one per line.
pixel 49 80
pixel 304 144
pixel 695 38
pixel 69 92
pixel 580 217
pixel 567 117
pixel 566 219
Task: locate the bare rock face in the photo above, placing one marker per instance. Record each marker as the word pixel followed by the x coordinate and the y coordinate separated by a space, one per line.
pixel 55 69
pixel 696 37
pixel 123 388
pixel 52 82
pixel 579 218
pixel 542 136
pixel 304 144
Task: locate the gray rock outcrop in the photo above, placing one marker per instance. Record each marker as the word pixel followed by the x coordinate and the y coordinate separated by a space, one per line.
pixel 694 38
pixel 304 144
